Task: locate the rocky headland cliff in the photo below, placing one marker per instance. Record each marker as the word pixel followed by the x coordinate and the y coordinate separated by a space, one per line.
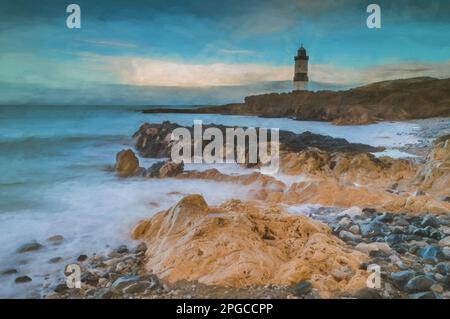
pixel 395 100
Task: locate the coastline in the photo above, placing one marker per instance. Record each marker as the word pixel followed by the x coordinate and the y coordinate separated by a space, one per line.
pixel 394 100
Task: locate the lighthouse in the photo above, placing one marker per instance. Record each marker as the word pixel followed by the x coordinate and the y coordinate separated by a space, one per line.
pixel 301 70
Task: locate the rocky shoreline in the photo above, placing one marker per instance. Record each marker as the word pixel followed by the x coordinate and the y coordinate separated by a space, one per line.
pixel 285 250
pixel 412 251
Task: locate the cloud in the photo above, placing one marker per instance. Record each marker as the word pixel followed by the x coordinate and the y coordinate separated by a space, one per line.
pixel 326 73
pixel 166 73
pixel 236 52
pixel 154 72
pixel 110 43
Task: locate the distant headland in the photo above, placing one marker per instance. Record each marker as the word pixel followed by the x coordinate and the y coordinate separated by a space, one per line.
pixel 394 100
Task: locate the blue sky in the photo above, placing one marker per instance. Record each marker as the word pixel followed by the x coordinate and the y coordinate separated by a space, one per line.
pixel 210 51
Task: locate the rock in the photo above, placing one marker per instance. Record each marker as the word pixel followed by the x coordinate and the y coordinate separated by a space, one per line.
pixel 398 230
pixel 367 248
pixel 438 277
pixel 400 221
pixel 302 288
pixel 105 293
pixel 445 241
pixel 419 283
pixel 343 273
pixel 351 212
pixel 446 281
pixel 22 279
pixel 429 253
pixel 154 140
pixel 422 232
pixel 141 248
pixel 182 231
pixel 445 230
pixel 127 164
pixel 171 169
pixel 32 246
pixel 55 260
pixel 378 254
pixel 165 169
pixel 60 288
pixel 135 284
pixel 402 276
pixel 120 284
pixel 89 278
pixel 123 249
pixel 102 282
pixel 442 268
pixel 354 229
pixel 437 288
pixel 385 218
pixel 373 229
pixel 433 233
pixel 9 271
pixel 423 295
pixel 82 258
pixel 369 211
pixel 367 293
pixel 345 221
pixel 446 252
pixel 394 239
pixel 139 287
pixel 388 100
pixel 430 220
pixel 120 267
pixel 55 238
pixel 348 236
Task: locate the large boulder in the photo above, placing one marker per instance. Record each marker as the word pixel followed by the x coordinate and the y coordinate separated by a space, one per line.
pixel 435 173
pixel 241 244
pixel 165 169
pixel 344 165
pixel 127 164
pixel 155 140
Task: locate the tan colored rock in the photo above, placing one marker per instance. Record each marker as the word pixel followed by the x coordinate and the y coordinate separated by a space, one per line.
pixel 171 169
pixel 165 169
pixel 241 244
pixel 345 179
pixel 363 167
pixel 368 248
pixel 127 164
pixel 434 176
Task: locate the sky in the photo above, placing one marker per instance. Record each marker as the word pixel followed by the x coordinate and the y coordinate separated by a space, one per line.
pixel 202 52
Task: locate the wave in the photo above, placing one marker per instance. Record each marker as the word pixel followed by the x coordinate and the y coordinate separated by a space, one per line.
pixel 12 184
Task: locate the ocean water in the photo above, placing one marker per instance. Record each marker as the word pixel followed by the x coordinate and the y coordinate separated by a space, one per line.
pixel 56 179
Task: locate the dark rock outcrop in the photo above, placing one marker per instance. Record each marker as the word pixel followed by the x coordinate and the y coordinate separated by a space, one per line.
pixel 404 99
pixel 154 140
pixel 165 169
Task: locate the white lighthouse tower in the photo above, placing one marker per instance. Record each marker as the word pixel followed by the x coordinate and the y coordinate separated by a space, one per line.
pixel 301 70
